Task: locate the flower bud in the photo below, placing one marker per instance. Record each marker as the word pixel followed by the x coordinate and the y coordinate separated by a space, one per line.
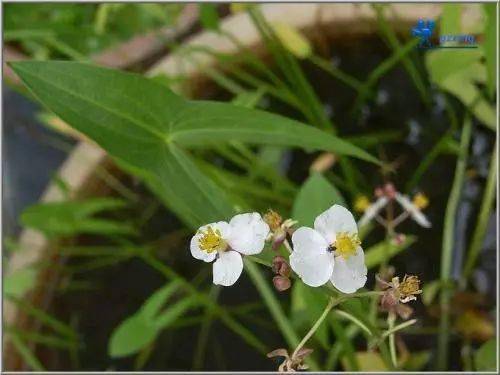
pixel 280 266
pixel 281 283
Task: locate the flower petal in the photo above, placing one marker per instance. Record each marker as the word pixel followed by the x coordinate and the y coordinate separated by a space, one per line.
pixel 198 253
pixel 335 220
pixel 350 275
pixel 227 269
pixel 373 210
pixel 308 241
pixel 413 210
pixel 248 233
pixel 315 269
pixel 310 258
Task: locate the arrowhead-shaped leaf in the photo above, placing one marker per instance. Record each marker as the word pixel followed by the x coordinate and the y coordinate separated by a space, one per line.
pixel 147 128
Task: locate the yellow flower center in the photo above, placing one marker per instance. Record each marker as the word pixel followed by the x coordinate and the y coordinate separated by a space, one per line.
pixel 409 286
pixel 211 241
pixel 346 244
pixel 273 219
pixel 420 201
pixel 361 203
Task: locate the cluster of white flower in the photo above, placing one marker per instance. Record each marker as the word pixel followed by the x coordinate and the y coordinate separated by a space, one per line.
pixel 245 234
pixel 329 252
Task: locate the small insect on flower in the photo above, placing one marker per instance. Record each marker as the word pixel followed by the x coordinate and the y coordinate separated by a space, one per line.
pixel 331 251
pixel 225 242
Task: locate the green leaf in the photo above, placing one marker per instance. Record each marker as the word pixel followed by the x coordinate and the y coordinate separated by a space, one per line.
pixel 249 99
pixel 316 195
pixel 155 302
pixel 450 21
pixel 490 46
pixel 375 254
pixel 143 125
pixel 430 291
pixel 370 362
pixel 209 16
pixel 70 218
pixel 458 72
pixel 142 328
pixel 202 123
pixel 417 360
pixel 131 336
pixel 19 282
pixel 485 358
pixel 170 315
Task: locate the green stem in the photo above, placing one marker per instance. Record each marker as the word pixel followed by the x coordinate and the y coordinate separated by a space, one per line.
pixel 331 303
pixel 275 308
pixel 482 222
pixel 391 318
pixel 337 73
pixel 447 245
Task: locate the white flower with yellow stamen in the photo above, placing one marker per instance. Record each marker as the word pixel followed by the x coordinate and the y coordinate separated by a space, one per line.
pixel 331 251
pixel 413 208
pixel 226 242
pixel 373 210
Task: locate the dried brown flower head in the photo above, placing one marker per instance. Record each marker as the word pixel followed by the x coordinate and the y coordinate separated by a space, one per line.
pixel 291 364
pixel 398 293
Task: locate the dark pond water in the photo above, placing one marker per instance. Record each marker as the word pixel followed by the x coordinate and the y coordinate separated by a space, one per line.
pixel 122 288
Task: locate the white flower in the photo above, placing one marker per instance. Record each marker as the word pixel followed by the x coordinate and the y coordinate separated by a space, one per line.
pixel 372 210
pixel 245 234
pixel 413 210
pixel 330 251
